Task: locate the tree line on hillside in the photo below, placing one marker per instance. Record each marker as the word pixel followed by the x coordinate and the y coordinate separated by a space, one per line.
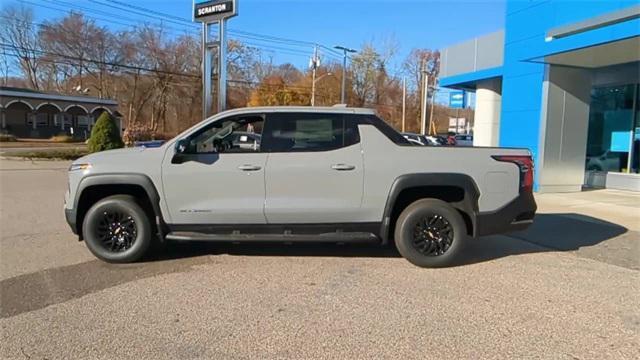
pixel 155 74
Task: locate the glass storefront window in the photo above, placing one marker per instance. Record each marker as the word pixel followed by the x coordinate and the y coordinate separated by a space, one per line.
pixel 635 154
pixel 613 138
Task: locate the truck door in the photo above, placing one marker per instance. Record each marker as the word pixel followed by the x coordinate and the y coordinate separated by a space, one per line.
pixel 216 181
pixel 314 168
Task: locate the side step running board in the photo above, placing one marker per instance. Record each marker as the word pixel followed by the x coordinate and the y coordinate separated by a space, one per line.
pixel 351 237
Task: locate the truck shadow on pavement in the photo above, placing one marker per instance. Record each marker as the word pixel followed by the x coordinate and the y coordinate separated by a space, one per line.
pixel 550 232
pixel 30 292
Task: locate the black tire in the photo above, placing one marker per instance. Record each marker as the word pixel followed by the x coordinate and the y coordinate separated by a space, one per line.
pixel 438 229
pixel 117 230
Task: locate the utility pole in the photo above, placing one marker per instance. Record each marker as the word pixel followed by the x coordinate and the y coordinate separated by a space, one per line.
pixel 423 100
pixel 432 126
pixel 344 70
pixel 314 64
pixel 404 100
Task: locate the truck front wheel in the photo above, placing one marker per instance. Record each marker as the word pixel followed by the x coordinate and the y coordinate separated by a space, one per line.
pixel 117 230
pixel 430 233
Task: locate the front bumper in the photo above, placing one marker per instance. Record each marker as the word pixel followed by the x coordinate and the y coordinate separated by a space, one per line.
pixel 515 216
pixel 70 216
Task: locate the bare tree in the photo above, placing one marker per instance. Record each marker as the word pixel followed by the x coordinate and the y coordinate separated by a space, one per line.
pixel 19 35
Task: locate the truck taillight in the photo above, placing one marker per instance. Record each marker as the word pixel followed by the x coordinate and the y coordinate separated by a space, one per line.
pixel 525 164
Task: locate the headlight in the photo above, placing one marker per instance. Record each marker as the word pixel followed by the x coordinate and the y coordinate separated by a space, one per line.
pixel 75 167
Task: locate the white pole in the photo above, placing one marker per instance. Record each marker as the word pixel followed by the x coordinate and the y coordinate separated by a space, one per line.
pixel 314 65
pixel 423 102
pixel 206 73
pixel 222 74
pixel 404 101
pixel 344 78
pixel 432 128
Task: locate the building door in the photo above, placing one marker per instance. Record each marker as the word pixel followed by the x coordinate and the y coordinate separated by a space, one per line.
pixel 614 133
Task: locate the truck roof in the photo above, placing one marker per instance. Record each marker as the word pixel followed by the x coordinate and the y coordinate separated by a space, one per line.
pixel 337 109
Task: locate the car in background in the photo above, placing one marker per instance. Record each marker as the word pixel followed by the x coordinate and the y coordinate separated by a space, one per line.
pixel 464 140
pixel 423 140
pixel 435 140
pixel 414 138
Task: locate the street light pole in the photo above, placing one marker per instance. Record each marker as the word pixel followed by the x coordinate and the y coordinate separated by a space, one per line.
pixel 344 70
pixel 404 100
pixel 314 64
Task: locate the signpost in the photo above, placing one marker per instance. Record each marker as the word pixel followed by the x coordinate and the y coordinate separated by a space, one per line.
pixel 208 13
pixel 457 99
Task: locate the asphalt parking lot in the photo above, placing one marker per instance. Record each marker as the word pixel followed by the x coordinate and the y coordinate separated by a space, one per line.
pixel 569 288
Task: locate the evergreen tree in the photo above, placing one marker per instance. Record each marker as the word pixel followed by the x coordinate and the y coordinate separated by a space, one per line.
pixel 104 135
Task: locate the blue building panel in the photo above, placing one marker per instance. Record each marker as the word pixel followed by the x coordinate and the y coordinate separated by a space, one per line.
pixel 523 93
pixel 468 80
pixel 527 26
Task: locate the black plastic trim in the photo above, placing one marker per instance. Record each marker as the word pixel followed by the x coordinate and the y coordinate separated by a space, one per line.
pixel 70 216
pixel 517 215
pixel 117 179
pixel 289 229
pixel 469 203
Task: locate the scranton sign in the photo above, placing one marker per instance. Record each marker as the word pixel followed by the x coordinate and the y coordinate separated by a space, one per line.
pixel 214 11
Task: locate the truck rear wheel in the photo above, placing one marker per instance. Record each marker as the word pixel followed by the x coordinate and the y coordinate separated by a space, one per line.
pixel 117 230
pixel 430 233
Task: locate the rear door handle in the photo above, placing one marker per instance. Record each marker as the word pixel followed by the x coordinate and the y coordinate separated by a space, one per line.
pixel 342 167
pixel 247 167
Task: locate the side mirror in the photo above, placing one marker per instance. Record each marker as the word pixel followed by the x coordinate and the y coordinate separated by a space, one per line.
pixel 180 148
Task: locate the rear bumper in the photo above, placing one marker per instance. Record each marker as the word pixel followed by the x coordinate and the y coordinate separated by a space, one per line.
pixel 515 216
pixel 70 216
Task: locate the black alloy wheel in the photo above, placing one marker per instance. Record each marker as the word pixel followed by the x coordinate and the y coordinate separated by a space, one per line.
pixel 433 235
pixel 430 233
pixel 117 231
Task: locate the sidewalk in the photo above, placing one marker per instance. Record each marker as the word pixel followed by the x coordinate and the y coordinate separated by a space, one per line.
pixel 602 225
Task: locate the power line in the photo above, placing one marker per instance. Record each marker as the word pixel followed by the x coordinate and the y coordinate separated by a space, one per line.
pixel 237 32
pixel 131 67
pixel 284 50
pixel 93 61
pixel 161 17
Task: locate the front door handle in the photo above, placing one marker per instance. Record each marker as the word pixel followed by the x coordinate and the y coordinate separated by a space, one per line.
pixel 247 167
pixel 342 167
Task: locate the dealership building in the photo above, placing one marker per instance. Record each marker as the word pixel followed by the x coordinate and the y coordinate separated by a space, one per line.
pixel 562 79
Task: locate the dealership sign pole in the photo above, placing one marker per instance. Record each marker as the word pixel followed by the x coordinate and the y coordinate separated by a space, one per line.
pixel 208 13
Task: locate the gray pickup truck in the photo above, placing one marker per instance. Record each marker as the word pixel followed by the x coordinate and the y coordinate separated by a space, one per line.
pixel 298 174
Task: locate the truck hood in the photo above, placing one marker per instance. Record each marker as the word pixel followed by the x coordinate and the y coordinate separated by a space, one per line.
pixel 112 155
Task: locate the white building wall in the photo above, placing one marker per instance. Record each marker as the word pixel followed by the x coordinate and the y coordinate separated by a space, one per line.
pixel 486 129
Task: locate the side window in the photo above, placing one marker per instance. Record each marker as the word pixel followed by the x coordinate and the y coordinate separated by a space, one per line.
pixel 239 134
pixel 306 132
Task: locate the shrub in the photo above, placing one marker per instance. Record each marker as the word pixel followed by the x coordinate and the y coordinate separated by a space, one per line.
pixel 61 138
pixel 104 135
pixel 55 154
pixel 137 132
pixel 7 138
